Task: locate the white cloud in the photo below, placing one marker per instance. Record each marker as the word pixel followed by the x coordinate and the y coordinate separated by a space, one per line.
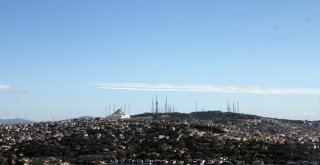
pixel 4 88
pixel 204 88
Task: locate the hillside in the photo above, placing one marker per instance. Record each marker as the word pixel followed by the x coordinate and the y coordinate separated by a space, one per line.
pixel 211 135
pixel 14 121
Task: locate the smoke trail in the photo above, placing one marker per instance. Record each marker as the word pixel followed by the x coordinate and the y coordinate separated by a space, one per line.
pixel 203 88
pixel 4 88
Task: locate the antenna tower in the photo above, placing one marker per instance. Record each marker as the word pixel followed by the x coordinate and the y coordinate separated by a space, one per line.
pixel 196 106
pixel 233 108
pixel 152 106
pixel 228 107
pixel 157 104
pixel 166 106
pixel 238 108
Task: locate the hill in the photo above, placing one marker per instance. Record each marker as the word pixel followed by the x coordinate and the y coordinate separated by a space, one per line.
pixel 14 121
pixel 217 116
pixel 211 135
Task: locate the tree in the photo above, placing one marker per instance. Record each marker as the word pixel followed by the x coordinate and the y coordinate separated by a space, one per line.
pixel 2 161
pixel 38 161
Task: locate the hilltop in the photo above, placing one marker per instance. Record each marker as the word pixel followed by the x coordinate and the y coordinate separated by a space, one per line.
pixel 217 116
pixel 187 138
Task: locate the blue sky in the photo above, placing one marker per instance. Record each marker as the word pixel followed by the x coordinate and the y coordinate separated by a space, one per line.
pixel 51 50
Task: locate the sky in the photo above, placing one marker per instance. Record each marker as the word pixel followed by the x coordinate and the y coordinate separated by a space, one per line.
pixel 51 51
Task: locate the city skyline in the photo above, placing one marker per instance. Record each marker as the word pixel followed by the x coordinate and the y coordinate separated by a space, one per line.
pixel 263 54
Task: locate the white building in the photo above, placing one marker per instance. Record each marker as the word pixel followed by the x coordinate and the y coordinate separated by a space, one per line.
pixel 119 114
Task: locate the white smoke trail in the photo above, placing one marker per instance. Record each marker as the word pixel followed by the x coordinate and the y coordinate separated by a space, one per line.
pixel 4 88
pixel 203 88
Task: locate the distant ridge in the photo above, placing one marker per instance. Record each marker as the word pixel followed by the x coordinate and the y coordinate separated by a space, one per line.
pixel 84 118
pixel 216 115
pixel 14 121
